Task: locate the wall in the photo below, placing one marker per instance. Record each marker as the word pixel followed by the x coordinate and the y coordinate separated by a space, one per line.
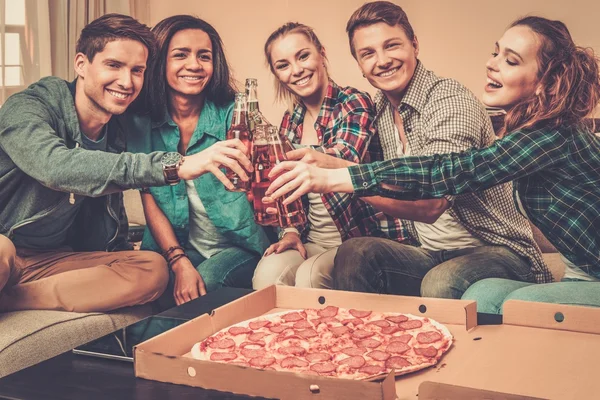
pixel 456 36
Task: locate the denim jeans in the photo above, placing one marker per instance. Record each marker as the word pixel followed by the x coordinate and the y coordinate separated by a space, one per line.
pixel 379 265
pixel 491 294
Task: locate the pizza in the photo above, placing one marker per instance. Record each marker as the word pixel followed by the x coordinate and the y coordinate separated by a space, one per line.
pixel 343 343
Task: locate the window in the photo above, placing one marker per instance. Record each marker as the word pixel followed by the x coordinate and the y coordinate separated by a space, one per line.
pixel 12 47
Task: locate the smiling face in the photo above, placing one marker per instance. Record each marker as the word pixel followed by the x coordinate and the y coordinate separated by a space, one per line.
pixel 513 68
pixel 299 66
pixel 114 77
pixel 189 66
pixel 386 57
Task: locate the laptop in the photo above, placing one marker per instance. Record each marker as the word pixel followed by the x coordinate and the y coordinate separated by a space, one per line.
pixel 119 344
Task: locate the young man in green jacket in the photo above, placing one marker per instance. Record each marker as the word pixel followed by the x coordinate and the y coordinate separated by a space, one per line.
pixel 62 171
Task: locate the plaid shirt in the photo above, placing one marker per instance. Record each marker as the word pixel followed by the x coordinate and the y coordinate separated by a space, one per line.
pixel 345 129
pixel 557 175
pixel 441 116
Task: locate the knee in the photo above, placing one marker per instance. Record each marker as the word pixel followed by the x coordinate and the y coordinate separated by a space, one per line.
pixel 152 274
pixel 489 295
pixel 351 257
pixel 270 271
pixel 439 283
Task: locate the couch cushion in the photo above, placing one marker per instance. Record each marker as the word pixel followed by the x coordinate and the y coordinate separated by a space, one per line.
pixel 29 337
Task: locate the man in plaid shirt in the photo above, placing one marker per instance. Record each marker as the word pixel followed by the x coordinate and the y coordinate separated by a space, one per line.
pixel 474 236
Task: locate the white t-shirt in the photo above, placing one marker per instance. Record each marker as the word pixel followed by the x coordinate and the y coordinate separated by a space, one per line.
pixel 322 228
pixel 447 233
pixel 203 236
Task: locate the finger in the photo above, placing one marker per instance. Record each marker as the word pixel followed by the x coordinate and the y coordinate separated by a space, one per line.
pixel 272 211
pixel 240 156
pixel 194 292
pixel 270 250
pixel 201 286
pixel 286 189
pixel 186 296
pixel 221 176
pixel 301 249
pixel 302 190
pixel 177 298
pixel 234 143
pixel 281 248
pixel 280 181
pixel 296 154
pixel 231 164
pixel 282 167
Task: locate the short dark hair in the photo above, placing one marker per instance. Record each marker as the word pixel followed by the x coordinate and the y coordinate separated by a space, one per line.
pixel 110 27
pixel 220 90
pixel 375 12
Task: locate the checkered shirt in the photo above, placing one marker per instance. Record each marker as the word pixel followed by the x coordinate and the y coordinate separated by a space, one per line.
pixel 345 128
pixel 442 116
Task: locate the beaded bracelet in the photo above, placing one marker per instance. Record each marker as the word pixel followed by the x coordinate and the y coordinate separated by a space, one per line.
pixel 171 249
pixel 175 258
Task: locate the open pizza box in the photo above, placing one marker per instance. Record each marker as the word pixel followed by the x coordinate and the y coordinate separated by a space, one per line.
pixel 530 356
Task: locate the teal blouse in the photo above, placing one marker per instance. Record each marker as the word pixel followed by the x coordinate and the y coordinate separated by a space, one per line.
pixel 230 212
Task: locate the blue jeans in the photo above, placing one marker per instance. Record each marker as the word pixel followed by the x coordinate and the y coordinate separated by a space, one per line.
pixel 379 265
pixel 491 294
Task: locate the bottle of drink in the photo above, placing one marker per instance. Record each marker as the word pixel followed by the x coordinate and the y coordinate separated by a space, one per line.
pixel 239 130
pixel 252 94
pixel 291 215
pixel 261 161
pixel 258 118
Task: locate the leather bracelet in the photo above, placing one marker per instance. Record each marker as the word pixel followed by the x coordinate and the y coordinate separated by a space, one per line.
pixel 171 249
pixel 175 258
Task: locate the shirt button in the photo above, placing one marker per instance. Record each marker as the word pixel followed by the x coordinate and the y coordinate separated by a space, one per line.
pixel 409 130
pixel 365 184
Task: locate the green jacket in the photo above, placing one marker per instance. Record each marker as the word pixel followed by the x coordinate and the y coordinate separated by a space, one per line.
pixel 42 163
pixel 230 212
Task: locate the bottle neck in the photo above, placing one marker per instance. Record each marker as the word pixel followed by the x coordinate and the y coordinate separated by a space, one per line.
pixel 239 114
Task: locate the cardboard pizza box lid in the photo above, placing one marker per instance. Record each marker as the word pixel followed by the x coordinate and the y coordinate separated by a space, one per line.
pixel 162 358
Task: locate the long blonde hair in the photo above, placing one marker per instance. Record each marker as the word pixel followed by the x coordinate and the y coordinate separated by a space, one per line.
pixel 282 93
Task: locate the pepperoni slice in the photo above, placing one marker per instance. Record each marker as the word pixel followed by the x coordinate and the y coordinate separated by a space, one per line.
pixel 290 362
pixel 362 334
pixel 252 353
pixel 354 321
pixel 379 355
pixel 354 362
pixel 253 345
pixel 254 325
pixel 402 338
pixel 256 336
pixel 353 351
pixel 359 313
pixel 339 330
pixel 238 330
pixel 277 328
pixel 222 344
pixel 390 330
pixel 412 324
pixel 293 316
pixel 293 350
pixel 397 318
pixel 397 348
pixel 428 337
pixel 303 324
pixel 369 343
pixel 317 357
pixel 325 320
pixel 307 333
pixel 261 361
pixel 427 351
pixel 372 369
pixel 397 362
pixel 380 323
pixel 329 311
pixel 223 356
pixel 323 367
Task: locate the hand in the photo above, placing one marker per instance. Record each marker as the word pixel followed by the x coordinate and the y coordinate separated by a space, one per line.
pixel 321 160
pixel 189 285
pixel 290 240
pixel 227 153
pixel 299 177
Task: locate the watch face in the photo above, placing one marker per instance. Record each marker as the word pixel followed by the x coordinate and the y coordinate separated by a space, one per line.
pixel 170 159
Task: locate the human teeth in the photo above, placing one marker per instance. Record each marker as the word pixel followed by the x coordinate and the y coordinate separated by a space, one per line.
pixel 191 78
pixel 303 81
pixel 388 73
pixel 493 83
pixel 118 95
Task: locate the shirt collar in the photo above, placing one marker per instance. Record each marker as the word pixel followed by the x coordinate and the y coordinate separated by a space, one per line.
pixel 329 102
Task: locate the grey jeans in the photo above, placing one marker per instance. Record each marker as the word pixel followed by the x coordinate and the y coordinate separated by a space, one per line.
pixel 379 265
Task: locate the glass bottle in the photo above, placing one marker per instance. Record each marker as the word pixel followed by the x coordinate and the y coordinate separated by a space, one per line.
pixel 239 130
pixel 252 94
pixel 261 161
